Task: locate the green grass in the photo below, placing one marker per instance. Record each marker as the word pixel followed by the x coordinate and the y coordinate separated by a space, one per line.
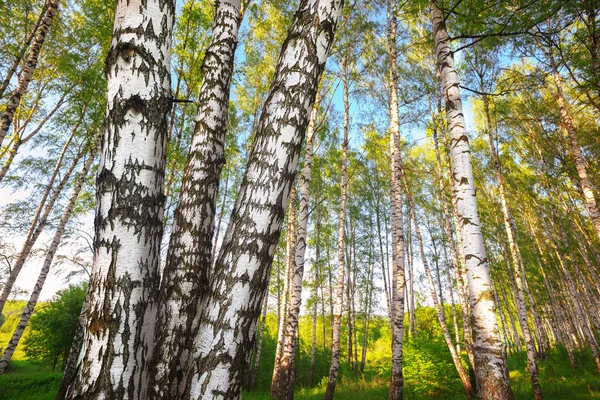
pixel 11 316
pixel 29 380
pixel 428 369
pixel 557 379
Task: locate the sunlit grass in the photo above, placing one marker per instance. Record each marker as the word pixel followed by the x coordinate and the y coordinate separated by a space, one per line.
pixel 428 369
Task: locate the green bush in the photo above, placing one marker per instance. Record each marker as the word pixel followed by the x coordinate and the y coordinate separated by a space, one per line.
pixel 52 328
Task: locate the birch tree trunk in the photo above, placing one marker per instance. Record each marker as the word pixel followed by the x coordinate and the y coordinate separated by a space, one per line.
pixel 229 311
pixel 457 262
pixel 398 279
pixel 439 306
pixel 353 302
pixel 27 73
pixel 567 121
pixel 491 370
pixel 18 137
pixel 259 346
pixel 412 321
pixel 190 254
pixel 341 247
pixel 368 300
pixel 291 239
pixel 17 61
pixel 383 257
pixel 40 217
pixel 452 300
pixel 282 385
pixel 517 270
pixel 119 334
pixel 14 149
pixel 579 314
pixel 367 319
pixel 349 327
pixel 317 283
pixel 503 325
pixel 35 294
pixel 290 252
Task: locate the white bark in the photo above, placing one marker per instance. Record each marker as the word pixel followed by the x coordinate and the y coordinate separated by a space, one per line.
pixel 119 334
pixel 439 306
pixel 341 248
pixel 291 235
pixel 18 138
pixel 259 345
pixel 490 365
pixel 283 377
pixel 229 312
pixel 17 61
pixel 457 263
pixel 567 121
pixel 190 255
pixel 517 267
pixel 398 279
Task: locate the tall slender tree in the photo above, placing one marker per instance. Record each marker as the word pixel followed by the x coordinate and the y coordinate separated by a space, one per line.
pixel 398 278
pixel 490 364
pixel 341 244
pixel 283 376
pixel 439 306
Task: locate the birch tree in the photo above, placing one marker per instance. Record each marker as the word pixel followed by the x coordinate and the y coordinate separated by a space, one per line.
pixel 283 376
pixel 22 51
pixel 518 272
pixel 228 314
pixel 341 245
pixel 580 164
pixel 439 306
pixel 42 212
pixel 491 370
pixel 123 287
pixel 398 279
pixel 27 74
pixel 190 257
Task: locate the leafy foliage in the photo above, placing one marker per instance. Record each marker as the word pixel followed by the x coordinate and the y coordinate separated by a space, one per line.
pixel 52 328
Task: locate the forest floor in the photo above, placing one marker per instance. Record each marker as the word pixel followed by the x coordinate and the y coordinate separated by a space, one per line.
pixel 428 370
pixel 31 380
